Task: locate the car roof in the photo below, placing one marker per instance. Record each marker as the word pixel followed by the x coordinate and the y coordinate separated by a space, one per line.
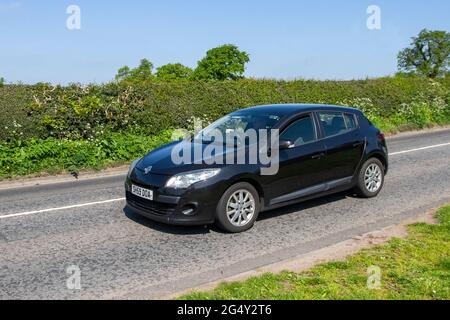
pixel 288 109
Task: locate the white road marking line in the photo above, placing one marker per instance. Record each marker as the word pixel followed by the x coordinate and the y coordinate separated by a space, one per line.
pixel 420 149
pixel 60 208
pixel 122 199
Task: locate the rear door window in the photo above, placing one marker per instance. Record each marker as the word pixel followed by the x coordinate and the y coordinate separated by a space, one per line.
pixel 333 123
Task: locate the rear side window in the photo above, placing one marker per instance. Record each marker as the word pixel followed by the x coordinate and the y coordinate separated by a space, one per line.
pixel 350 121
pixel 334 123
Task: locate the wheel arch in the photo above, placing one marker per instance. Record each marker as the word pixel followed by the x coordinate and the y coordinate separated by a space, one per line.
pixel 381 157
pixel 255 185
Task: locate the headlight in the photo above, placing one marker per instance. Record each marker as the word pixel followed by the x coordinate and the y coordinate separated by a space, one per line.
pixel 133 165
pixel 185 180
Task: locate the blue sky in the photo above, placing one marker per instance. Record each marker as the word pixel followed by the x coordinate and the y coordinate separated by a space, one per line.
pixel 320 39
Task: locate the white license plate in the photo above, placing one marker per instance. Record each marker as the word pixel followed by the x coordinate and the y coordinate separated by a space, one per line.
pixel 141 192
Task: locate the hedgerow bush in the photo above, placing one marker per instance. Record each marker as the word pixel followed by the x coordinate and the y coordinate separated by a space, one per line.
pixel 81 112
pixel 55 128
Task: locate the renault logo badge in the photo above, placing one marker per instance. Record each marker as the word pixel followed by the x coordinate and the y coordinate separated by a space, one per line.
pixel 148 169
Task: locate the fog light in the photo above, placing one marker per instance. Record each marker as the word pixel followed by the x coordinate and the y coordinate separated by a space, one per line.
pixel 188 210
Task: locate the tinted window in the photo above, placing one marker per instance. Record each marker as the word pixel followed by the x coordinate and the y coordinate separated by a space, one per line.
pixel 238 122
pixel 333 123
pixel 350 121
pixel 300 132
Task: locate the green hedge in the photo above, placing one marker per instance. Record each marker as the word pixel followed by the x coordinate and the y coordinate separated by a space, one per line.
pixel 54 129
pixel 86 112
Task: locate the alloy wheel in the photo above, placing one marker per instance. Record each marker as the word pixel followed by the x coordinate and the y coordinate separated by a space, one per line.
pixel 373 178
pixel 240 208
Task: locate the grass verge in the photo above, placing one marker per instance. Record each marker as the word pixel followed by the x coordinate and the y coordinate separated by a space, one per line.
pixel 417 267
pixel 53 156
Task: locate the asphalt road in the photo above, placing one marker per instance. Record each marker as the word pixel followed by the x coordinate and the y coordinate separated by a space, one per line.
pixel 121 255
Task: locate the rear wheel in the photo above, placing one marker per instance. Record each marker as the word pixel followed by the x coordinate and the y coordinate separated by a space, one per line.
pixel 238 208
pixel 371 178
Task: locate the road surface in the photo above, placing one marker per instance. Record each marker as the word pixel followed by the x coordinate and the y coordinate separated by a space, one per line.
pixel 44 230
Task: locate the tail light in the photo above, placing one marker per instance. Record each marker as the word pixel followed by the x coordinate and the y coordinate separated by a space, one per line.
pixel 381 137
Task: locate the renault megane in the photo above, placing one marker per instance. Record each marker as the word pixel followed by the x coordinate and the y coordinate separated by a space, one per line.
pixel 321 150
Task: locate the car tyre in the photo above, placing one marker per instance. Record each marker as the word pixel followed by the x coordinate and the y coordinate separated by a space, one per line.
pixel 238 208
pixel 370 178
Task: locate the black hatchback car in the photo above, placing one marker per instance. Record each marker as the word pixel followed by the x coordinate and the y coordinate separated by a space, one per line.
pixel 322 150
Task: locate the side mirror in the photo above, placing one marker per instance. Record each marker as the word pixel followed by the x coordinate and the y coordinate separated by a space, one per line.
pixel 286 144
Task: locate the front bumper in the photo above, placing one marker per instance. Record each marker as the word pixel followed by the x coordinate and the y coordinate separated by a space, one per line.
pixel 169 213
pixel 170 206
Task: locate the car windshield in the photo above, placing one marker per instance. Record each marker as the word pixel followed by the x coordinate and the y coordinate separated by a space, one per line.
pixel 236 124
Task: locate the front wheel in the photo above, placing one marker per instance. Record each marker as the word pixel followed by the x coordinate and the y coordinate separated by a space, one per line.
pixel 238 208
pixel 371 178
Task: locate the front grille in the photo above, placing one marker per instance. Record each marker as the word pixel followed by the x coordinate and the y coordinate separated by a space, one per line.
pixel 153 207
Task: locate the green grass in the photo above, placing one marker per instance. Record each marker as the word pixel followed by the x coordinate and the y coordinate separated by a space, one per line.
pixel 52 156
pixel 417 267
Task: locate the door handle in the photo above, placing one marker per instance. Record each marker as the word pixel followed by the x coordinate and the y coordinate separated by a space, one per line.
pixel 357 144
pixel 318 156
